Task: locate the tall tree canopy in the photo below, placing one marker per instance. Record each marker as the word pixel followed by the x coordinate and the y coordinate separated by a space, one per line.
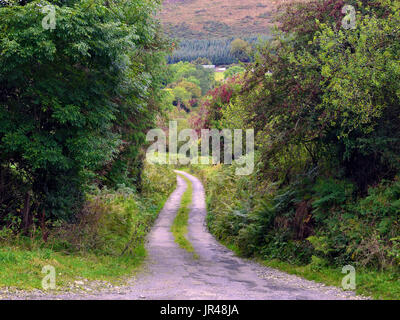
pixel 75 100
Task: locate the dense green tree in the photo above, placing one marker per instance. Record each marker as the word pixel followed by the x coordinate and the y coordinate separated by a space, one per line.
pixel 233 71
pixel 217 51
pixel 332 96
pixel 182 96
pixel 202 61
pixel 204 78
pixel 195 91
pixel 74 100
pixel 241 49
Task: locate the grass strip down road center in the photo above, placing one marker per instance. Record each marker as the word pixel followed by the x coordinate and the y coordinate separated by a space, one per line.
pixel 179 227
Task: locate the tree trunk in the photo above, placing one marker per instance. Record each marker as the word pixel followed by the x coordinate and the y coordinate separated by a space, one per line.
pixel 45 233
pixel 26 221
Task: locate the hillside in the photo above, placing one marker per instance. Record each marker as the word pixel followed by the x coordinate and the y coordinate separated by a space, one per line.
pixel 221 18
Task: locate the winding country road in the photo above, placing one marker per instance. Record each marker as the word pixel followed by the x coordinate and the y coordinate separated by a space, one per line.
pixel 172 273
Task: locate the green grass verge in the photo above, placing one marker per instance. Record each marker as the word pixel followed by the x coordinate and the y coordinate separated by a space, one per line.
pixel 180 224
pixel 376 284
pixel 21 268
pixel 219 76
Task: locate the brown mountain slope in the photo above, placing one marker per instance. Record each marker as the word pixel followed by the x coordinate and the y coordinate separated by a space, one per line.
pixel 218 18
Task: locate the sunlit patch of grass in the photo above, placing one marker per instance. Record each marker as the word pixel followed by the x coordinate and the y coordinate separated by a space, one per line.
pixel 179 227
pixel 219 76
pixel 22 269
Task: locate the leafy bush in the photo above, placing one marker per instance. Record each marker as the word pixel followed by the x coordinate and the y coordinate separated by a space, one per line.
pixel 329 194
pixel 116 222
pixel 382 201
pixel 232 71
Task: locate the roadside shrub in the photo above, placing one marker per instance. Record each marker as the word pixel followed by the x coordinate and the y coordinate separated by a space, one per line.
pixel 116 222
pixel 383 202
pixel 328 195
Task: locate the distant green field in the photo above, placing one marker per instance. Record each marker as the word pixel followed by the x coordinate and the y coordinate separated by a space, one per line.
pixel 219 76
